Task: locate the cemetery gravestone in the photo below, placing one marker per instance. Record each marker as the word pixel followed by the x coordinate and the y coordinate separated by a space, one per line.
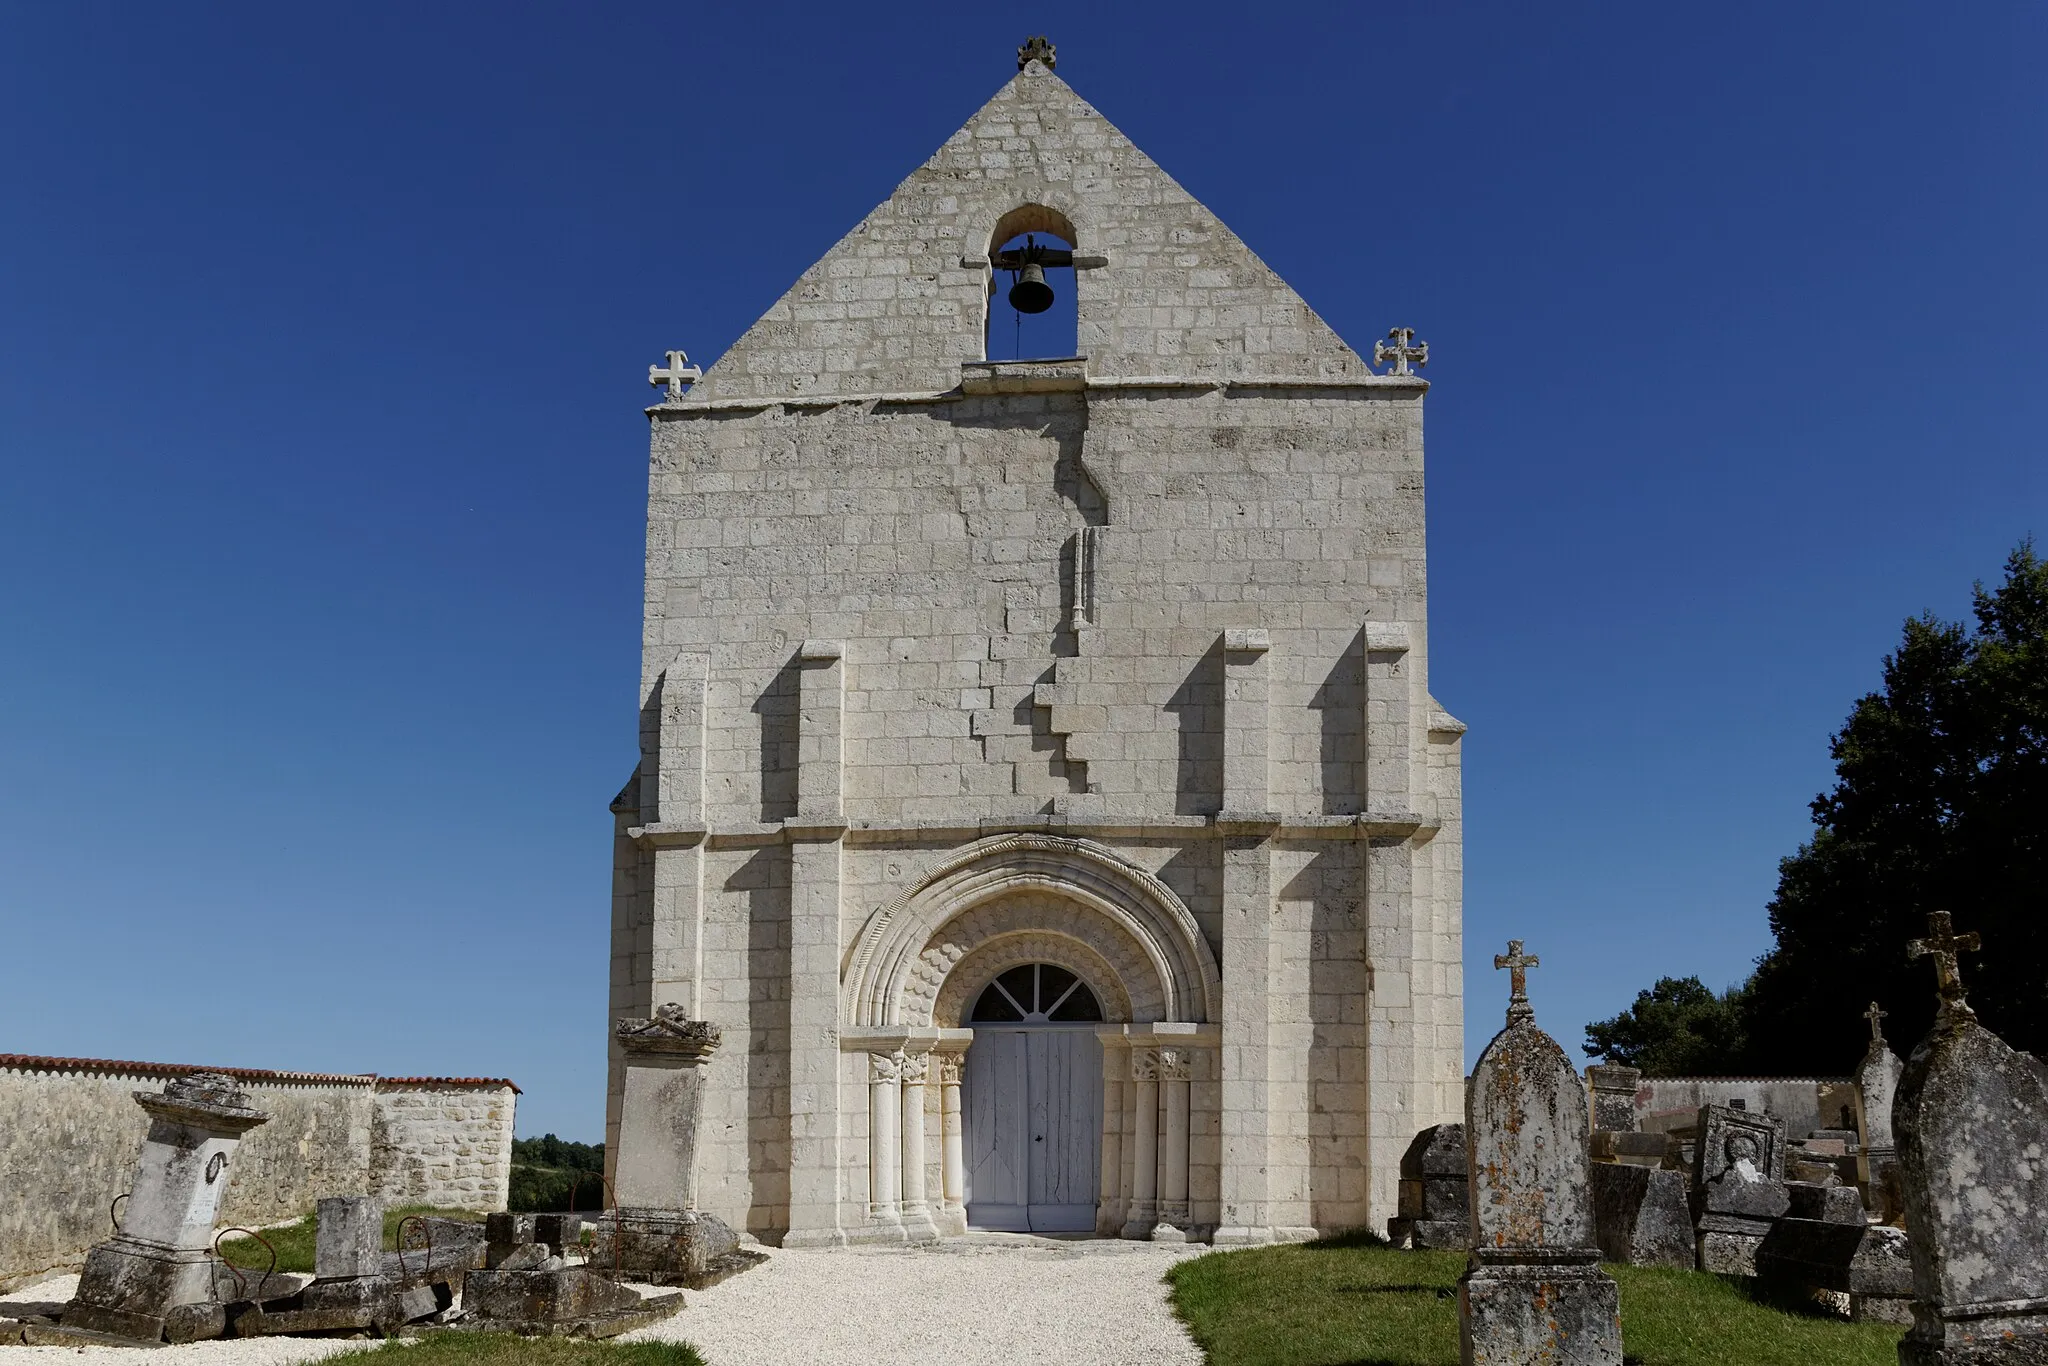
pixel 1640 1215
pixel 1534 1291
pixel 1971 1119
pixel 1877 1084
pixel 1738 1186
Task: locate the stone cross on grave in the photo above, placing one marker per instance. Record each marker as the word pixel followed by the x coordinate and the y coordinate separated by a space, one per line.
pixel 679 375
pixel 1518 964
pixel 1401 351
pixel 1943 944
pixel 1874 1014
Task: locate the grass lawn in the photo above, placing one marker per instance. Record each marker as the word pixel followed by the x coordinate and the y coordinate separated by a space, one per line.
pixel 294 1243
pixel 503 1349
pixel 1353 1302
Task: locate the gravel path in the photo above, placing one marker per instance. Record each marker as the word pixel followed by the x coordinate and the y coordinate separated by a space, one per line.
pixel 989 1300
pixel 986 1300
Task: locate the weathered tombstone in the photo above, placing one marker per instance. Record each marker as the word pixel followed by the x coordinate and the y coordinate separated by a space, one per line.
pixel 656 1234
pixel 1614 1096
pixel 1640 1215
pixel 1534 1291
pixel 1738 1186
pixel 350 1237
pixel 1971 1118
pixel 1435 1211
pixel 155 1278
pixel 1877 1083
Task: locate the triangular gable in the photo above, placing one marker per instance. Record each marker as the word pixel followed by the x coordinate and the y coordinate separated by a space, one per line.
pixel 902 300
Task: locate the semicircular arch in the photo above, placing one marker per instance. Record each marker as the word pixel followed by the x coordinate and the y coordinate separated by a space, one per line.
pixel 1111 903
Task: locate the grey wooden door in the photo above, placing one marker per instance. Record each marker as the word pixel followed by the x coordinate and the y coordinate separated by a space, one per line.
pixel 1034 1129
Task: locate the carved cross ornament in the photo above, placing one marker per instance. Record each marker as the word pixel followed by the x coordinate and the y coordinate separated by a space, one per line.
pixel 1401 351
pixel 1518 964
pixel 1874 1014
pixel 1942 945
pixel 1037 49
pixel 679 375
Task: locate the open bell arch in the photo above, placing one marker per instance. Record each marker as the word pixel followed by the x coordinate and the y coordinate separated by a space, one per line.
pixel 1123 914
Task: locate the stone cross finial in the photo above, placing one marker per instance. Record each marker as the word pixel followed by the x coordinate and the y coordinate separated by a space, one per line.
pixel 1518 964
pixel 1874 1014
pixel 1943 944
pixel 1037 49
pixel 1401 351
pixel 679 375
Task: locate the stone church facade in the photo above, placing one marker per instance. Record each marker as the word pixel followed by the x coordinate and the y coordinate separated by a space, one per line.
pixel 1040 785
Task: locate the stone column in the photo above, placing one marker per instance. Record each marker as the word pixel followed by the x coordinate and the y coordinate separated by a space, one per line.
pixel 918 1225
pixel 154 1279
pixel 815 849
pixel 1144 1209
pixel 885 1149
pixel 1109 1209
pixel 655 1232
pixel 1174 1217
pixel 953 1165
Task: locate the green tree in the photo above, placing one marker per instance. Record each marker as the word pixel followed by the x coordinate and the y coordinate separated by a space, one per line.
pixel 1678 1028
pixel 1940 803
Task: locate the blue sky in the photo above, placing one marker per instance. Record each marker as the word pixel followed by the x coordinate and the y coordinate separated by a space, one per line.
pixel 322 467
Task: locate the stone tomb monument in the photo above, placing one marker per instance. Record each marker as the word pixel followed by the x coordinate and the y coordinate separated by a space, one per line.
pixel 656 1233
pixel 1971 1119
pixel 155 1278
pixel 1436 1210
pixel 1877 1161
pixel 1534 1291
pixel 1738 1186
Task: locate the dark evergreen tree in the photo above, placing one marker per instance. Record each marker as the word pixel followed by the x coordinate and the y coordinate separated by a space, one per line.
pixel 1940 803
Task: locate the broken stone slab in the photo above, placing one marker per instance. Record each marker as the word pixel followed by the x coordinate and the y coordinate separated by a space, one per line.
pixel 1835 1204
pixel 349 1241
pixel 1726 1244
pixel 642 1312
pixel 1862 1270
pixel 1640 1216
pixel 504 1234
pixel 163 1258
pixel 669 1247
pixel 1633 1149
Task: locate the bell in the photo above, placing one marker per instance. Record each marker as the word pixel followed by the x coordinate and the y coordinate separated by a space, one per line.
pixel 1031 294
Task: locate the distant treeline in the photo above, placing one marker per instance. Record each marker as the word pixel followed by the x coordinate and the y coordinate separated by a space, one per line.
pixel 550 1173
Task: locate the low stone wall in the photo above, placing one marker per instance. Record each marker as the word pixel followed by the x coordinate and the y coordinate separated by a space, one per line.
pixel 70 1130
pixel 1804 1103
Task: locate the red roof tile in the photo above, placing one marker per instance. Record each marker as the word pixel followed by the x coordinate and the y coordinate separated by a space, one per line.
pixel 29 1062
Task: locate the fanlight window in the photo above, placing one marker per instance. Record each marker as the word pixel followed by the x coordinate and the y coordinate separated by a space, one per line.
pixel 1036 993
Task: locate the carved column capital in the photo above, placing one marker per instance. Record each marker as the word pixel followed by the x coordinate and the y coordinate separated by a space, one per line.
pixel 950 1067
pixel 885 1066
pixel 1144 1064
pixel 915 1067
pixel 1174 1064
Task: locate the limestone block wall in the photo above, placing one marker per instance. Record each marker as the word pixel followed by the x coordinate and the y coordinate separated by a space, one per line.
pixel 70 1130
pixel 1804 1103
pixel 440 1142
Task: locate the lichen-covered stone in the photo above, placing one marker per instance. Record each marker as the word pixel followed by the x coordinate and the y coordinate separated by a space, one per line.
pixel 1534 1292
pixel 1971 1119
pixel 669 1247
pixel 1640 1215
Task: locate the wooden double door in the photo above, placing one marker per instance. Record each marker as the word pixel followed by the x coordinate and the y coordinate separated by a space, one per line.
pixel 1033 1101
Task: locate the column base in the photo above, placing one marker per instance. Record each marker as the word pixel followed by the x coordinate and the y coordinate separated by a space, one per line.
pixel 1238 1235
pixel 951 1221
pixel 808 1238
pixel 877 1231
pixel 1144 1218
pixel 920 1227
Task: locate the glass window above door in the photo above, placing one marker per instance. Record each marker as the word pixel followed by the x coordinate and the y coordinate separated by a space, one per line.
pixel 1036 993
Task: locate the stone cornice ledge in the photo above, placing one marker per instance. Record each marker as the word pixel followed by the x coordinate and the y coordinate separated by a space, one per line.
pixel 1022 377
pixel 659 836
pixel 1272 825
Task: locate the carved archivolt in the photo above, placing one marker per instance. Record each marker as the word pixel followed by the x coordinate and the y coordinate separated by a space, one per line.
pixel 973 950
pixel 1072 889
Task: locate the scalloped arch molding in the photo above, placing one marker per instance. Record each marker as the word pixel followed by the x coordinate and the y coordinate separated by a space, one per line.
pixel 1125 913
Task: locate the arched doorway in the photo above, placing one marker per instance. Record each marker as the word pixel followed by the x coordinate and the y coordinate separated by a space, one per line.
pixel 1033 1101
